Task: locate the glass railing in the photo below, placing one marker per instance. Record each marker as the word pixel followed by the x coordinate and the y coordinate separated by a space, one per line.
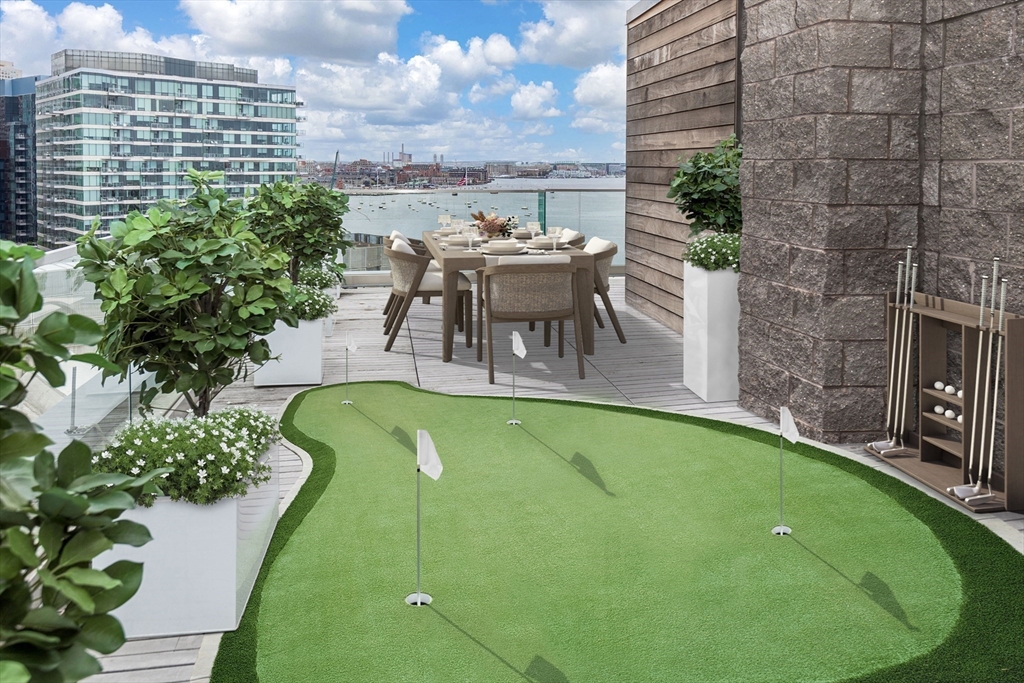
pixel 594 207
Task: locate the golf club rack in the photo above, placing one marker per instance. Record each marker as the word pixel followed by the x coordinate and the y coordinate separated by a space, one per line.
pixel 954 447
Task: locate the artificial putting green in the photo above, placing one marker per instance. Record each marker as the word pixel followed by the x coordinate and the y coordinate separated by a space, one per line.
pixel 596 543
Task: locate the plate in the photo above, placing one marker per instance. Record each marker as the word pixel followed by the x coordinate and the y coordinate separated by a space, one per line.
pixel 503 252
pixel 547 245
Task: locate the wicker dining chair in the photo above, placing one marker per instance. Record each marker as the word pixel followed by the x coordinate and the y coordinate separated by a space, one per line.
pixel 603 251
pixel 419 248
pixel 521 292
pixel 410 279
pixel 574 238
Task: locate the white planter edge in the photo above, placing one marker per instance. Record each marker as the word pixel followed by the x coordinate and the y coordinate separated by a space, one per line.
pixel 301 351
pixel 711 314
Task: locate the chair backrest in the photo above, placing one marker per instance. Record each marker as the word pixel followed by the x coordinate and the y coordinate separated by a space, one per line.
pixel 603 251
pixel 395 235
pixel 573 237
pixel 404 246
pixel 530 291
pixel 407 268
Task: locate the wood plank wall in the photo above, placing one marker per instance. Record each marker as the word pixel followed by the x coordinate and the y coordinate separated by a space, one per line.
pixel 680 99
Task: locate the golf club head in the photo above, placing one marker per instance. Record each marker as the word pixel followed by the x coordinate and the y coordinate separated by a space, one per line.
pixel 892 449
pixel 980 499
pixel 879 446
pixel 966 492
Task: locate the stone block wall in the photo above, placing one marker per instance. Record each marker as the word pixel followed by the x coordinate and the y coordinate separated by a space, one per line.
pixel 869 125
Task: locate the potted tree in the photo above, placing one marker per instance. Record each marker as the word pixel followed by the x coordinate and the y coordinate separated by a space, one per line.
pixel 303 219
pixel 706 190
pixel 188 293
pixel 57 516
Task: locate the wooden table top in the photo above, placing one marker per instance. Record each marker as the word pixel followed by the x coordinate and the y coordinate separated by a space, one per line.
pixel 458 258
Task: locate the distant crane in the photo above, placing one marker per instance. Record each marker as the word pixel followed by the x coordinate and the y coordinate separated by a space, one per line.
pixel 334 173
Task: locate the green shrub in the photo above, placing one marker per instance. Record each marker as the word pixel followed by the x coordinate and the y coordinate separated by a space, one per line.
pixel 706 189
pixel 312 303
pixel 213 457
pixel 714 251
pixel 56 515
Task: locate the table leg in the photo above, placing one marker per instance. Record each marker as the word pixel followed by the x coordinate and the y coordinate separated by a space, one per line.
pixel 585 303
pixel 449 295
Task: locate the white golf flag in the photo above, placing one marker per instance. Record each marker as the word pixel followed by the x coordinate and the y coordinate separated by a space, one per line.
pixel 787 424
pixel 518 347
pixel 350 343
pixel 426 455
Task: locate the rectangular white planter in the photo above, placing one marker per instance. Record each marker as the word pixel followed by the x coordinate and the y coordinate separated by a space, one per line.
pixel 301 351
pixel 199 569
pixel 711 316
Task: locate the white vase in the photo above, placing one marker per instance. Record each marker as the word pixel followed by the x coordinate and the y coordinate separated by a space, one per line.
pixel 301 351
pixel 199 569
pixel 711 315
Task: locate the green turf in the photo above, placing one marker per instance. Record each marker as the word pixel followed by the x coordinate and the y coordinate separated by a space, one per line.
pixel 610 544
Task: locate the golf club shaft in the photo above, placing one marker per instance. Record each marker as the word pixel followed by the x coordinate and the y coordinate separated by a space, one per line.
pixel 995 393
pixel 977 380
pixel 908 336
pixel 897 319
pixel 988 375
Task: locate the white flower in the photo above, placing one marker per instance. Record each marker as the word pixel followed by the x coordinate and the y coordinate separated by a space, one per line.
pixel 135 470
pixel 202 473
pixel 140 462
pixel 137 442
pixel 214 432
pixel 211 456
pixel 155 440
pixel 169 459
pixel 225 469
pixel 129 452
pixel 95 459
pixel 105 455
pixel 180 456
pixel 223 446
pixel 238 475
pixel 165 475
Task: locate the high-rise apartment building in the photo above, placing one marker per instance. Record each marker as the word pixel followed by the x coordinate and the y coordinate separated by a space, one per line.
pixel 117 131
pixel 17 159
pixel 8 72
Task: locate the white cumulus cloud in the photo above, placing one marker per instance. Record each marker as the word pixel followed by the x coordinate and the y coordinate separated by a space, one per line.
pixel 576 34
pixel 532 101
pixel 501 86
pixel 600 94
pixel 27 36
pixel 346 30
pixel 480 59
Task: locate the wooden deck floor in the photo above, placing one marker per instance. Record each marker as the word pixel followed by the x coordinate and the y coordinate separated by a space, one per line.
pixel 647 371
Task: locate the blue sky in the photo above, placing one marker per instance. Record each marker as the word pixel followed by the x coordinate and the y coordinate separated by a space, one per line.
pixel 470 79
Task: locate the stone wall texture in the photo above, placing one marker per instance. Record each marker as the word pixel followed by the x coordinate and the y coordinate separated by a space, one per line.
pixel 680 99
pixel 868 126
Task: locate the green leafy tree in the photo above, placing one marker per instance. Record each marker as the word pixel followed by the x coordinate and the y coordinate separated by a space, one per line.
pixel 304 219
pixel 188 292
pixel 56 515
pixel 706 189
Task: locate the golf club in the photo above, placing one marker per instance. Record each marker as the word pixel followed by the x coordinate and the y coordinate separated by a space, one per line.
pixel 903 384
pixel 879 446
pixel 995 409
pixel 963 491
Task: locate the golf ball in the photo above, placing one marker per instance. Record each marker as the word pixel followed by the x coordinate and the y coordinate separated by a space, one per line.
pixel 960 394
pixel 950 389
pixel 940 410
pixel 960 419
pixel 940 386
pixel 950 414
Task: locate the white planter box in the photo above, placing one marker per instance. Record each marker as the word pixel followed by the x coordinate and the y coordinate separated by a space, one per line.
pixel 301 351
pixel 200 566
pixel 711 316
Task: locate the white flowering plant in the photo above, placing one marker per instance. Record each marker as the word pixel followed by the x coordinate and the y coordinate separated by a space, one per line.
pixel 714 251
pixel 312 303
pixel 320 277
pixel 213 457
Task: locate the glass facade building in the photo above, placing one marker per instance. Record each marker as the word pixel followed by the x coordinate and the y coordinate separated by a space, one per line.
pixel 17 159
pixel 117 132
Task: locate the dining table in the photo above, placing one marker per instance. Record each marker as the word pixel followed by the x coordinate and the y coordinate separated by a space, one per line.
pixel 457 258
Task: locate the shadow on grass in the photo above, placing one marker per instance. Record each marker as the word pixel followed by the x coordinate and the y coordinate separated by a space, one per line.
pixel 475 640
pixel 579 462
pixel 398 434
pixel 872 586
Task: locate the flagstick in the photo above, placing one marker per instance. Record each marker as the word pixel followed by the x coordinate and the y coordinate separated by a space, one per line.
pixel 781 529
pixel 347 402
pixel 514 421
pixel 419 598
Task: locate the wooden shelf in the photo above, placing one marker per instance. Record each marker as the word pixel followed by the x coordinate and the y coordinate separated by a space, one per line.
pixel 944 421
pixel 939 461
pixel 943 396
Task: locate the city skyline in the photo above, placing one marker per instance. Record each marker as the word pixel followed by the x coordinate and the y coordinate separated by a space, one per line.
pixel 474 80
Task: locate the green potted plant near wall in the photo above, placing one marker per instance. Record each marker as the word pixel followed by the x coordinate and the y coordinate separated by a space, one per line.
pixel 305 220
pixel 57 515
pixel 188 293
pixel 706 190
